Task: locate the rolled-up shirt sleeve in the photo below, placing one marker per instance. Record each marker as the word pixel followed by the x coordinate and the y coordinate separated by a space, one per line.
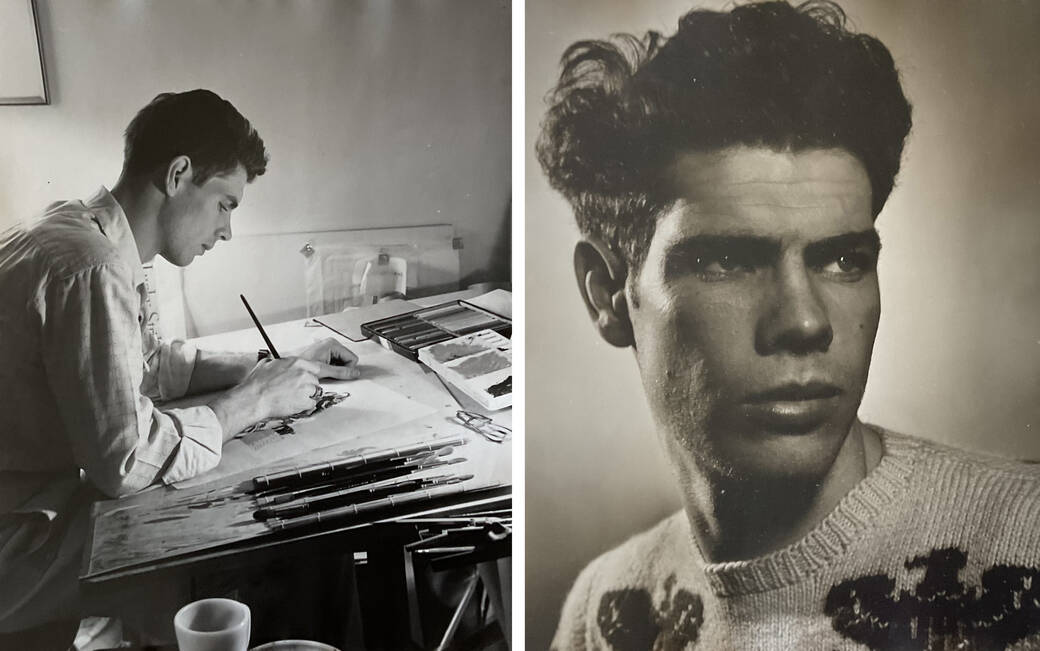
pixel 167 367
pixel 92 348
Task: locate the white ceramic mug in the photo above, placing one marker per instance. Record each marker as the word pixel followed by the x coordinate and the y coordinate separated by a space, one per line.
pixel 213 625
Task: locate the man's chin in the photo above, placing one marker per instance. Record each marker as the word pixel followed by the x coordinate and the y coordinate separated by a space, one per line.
pixel 764 456
pixel 178 261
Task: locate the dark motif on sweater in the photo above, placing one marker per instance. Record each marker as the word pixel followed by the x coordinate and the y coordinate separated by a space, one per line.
pixel 941 609
pixel 628 619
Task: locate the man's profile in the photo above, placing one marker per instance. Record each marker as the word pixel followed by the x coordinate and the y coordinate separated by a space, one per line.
pixel 726 180
pixel 82 373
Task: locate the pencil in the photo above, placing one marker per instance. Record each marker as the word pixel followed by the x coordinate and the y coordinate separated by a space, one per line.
pixel 267 340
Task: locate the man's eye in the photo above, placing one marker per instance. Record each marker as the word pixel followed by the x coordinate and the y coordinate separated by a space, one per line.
pixel 722 264
pixel 850 263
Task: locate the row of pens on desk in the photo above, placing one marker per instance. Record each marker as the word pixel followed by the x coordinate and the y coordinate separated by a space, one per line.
pixel 356 486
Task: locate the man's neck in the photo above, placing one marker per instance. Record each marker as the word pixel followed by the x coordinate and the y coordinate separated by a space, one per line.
pixel 140 202
pixel 739 519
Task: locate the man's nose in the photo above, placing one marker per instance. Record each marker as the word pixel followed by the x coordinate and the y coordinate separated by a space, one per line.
pixel 795 319
pixel 224 233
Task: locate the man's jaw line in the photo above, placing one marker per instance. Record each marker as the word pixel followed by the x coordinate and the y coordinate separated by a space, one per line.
pixel 725 507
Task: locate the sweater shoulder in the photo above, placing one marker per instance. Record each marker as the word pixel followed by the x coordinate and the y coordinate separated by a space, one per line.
pixel 969 464
pixel 630 580
pixel 661 548
pixel 993 503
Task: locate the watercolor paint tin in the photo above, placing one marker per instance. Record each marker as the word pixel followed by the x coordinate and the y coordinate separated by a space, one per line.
pixel 480 364
pixel 409 332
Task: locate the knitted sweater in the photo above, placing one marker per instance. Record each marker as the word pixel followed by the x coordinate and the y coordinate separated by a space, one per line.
pixel 934 549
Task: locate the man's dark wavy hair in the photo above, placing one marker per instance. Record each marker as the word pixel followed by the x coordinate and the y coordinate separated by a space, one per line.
pixel 198 124
pixel 762 75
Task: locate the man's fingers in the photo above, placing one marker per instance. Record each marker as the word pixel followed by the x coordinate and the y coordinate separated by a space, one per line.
pixel 340 355
pixel 350 372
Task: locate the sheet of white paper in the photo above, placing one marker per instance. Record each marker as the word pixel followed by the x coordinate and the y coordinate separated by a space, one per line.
pixel 369 407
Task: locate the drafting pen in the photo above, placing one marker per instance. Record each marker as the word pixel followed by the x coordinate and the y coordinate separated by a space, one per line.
pixel 360 473
pixel 353 482
pixel 367 474
pixel 318 471
pixel 349 496
pixel 357 510
pixel 263 333
pixel 459 521
pixel 338 498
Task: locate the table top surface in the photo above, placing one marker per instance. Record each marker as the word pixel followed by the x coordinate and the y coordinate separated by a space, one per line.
pixel 169 526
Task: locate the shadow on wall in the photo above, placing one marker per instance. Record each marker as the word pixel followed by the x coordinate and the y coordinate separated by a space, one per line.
pixel 500 262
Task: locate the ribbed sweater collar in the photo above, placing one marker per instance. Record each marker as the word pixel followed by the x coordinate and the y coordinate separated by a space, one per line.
pixel 855 515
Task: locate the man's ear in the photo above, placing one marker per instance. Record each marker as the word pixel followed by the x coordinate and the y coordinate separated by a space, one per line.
pixel 601 279
pixel 178 172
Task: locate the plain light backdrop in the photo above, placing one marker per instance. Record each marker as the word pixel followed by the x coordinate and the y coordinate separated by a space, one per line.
pixel 957 357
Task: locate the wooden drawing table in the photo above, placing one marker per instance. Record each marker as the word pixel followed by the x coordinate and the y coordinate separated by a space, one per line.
pixel 173 533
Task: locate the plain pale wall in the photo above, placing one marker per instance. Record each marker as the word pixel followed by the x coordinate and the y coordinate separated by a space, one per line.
pixel 957 357
pixel 375 113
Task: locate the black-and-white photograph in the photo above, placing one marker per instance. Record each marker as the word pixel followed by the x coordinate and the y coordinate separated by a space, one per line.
pixel 256 319
pixel 782 319
pixel 777 346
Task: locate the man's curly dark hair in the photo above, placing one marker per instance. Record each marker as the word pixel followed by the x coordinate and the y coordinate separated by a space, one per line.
pixel 763 75
pixel 199 124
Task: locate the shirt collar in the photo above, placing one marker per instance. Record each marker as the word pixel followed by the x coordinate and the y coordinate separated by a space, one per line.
pixel 112 221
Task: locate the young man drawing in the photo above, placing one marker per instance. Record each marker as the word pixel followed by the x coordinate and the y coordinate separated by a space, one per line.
pixel 80 369
pixel 726 181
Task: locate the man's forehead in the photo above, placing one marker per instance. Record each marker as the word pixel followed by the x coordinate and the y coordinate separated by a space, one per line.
pixel 746 172
pixel 762 190
pixel 232 183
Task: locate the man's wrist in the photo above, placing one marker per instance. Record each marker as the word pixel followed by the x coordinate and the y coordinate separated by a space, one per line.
pixel 234 410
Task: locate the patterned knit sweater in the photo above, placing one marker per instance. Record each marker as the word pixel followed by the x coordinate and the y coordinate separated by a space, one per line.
pixel 934 549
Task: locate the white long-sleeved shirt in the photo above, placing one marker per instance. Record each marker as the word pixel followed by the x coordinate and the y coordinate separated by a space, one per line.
pixel 80 370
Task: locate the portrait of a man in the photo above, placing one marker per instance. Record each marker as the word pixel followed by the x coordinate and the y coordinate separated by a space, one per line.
pixel 726 179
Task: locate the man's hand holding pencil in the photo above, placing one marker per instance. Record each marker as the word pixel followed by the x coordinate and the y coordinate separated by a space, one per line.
pixel 282 386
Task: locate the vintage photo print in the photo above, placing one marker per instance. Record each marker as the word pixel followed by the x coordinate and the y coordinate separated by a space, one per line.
pixel 783 381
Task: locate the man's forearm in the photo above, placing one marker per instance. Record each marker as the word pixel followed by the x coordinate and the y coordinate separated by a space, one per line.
pixel 217 371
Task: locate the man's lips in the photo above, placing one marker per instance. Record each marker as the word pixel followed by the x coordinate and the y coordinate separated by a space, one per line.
pixel 795 392
pixel 793 407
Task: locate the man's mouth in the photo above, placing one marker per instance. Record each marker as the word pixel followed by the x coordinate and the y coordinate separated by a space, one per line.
pixel 794 407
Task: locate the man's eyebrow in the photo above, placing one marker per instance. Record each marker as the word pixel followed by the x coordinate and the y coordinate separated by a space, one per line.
pixel 722 240
pixel 232 200
pixel 844 242
pixel 754 247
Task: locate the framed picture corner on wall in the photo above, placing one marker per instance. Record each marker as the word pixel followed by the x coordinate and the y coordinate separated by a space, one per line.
pixel 23 76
